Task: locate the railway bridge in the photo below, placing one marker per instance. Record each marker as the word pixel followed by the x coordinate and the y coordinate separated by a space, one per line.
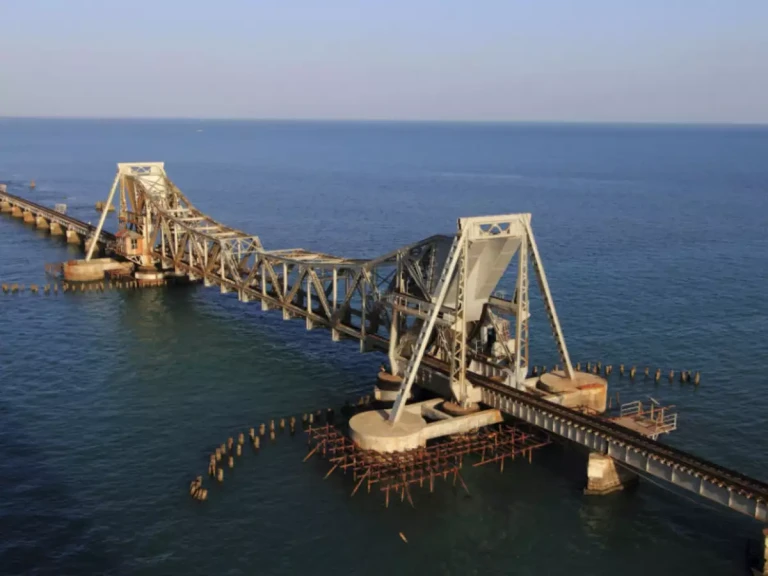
pixel 432 306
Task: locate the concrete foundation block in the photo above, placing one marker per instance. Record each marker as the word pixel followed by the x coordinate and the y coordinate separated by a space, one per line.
pixel 605 476
pixel 29 218
pixel 73 237
pixel 42 223
pixel 5 207
pixel 56 229
pixel 16 212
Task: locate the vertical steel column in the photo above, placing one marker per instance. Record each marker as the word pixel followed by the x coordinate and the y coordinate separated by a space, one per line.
pixel 549 303
pixel 426 330
pixel 521 315
pixel 103 218
pixel 458 333
pixel 394 328
pixel 335 288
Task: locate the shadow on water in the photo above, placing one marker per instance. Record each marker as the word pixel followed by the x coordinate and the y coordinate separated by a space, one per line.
pixel 45 530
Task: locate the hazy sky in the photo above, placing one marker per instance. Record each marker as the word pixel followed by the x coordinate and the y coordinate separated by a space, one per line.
pixel 580 60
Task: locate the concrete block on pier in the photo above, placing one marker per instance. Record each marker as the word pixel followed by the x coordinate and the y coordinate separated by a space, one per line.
pixel 73 237
pixel 605 476
pixel 92 270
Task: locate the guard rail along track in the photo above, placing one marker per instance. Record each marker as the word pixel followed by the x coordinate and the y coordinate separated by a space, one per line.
pixel 728 487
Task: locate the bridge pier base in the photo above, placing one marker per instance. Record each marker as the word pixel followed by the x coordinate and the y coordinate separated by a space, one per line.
pixel 605 476
pixel 265 305
pixel 29 218
pixel 335 335
pixel 72 237
pixel 243 297
pixel 42 223
pixel 5 207
pixel 310 323
pixel 765 552
pixel 56 229
pixel 16 212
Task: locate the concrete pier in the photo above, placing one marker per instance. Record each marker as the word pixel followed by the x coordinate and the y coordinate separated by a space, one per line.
pixel 92 270
pixel 5 207
pixel 372 430
pixel 73 237
pixel 56 229
pixel 29 218
pixel 16 212
pixel 605 476
pixel 42 223
pixel 765 552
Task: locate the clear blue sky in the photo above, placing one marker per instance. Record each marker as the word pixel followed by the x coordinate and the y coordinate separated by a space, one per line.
pixel 580 60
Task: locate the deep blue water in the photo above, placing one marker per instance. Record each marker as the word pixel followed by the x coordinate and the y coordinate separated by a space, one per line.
pixel 654 240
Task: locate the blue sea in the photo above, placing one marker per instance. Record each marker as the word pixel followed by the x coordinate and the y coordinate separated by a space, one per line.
pixel 655 243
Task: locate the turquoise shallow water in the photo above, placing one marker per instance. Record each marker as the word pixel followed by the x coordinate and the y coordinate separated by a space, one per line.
pixel 654 240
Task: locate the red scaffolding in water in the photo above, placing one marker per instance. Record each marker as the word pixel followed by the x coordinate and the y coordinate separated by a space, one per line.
pixel 396 472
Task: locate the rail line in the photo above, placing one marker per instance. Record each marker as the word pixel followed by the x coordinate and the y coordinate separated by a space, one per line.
pixel 51 215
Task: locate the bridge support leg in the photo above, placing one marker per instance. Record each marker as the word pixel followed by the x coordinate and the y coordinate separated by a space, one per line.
pixel 16 212
pixel 605 476
pixel 56 229
pixel 29 218
pixel 72 237
pixel 765 551
pixel 5 207
pixel 42 223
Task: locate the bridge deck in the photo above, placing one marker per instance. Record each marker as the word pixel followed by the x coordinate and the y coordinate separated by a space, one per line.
pixel 82 228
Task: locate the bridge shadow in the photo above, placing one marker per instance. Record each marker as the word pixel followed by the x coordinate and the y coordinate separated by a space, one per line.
pixel 45 530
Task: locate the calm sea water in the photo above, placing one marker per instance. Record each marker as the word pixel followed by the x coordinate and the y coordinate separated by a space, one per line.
pixel 655 244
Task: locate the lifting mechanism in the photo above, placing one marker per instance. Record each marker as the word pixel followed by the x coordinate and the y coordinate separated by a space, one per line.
pixel 479 255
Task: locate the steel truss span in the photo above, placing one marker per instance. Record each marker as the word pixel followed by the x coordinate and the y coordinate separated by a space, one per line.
pixel 436 297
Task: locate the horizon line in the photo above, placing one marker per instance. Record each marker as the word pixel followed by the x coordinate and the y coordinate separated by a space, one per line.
pixel 394 120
